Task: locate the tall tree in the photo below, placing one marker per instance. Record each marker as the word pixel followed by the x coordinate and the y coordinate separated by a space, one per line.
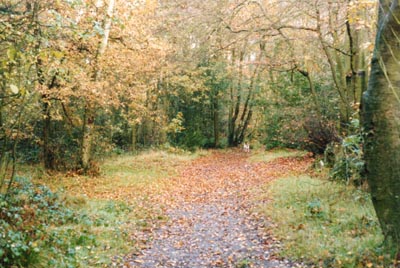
pixel 381 121
pixel 89 115
pixel 17 44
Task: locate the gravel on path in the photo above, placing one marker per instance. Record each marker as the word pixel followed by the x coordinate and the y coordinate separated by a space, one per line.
pixel 212 223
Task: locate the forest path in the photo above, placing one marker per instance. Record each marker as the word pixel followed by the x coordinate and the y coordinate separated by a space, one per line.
pixel 211 223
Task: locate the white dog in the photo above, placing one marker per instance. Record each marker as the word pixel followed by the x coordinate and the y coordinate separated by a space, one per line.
pixel 246 147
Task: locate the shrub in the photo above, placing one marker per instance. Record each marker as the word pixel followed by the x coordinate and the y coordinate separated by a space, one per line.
pixel 345 158
pixel 25 215
pixel 349 163
pixel 284 130
pixel 320 133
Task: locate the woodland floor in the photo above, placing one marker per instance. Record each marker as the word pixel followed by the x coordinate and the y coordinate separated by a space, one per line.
pixel 211 215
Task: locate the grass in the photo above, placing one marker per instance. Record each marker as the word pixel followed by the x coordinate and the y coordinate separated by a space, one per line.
pixel 148 170
pixel 268 156
pixel 106 227
pixel 109 209
pixel 318 221
pixel 325 223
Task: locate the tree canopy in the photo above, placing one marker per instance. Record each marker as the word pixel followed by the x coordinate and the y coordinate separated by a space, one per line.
pixel 84 79
pixel 81 79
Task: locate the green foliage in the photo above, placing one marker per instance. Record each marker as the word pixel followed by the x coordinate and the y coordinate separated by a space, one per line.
pixel 283 128
pixel 25 218
pixel 63 144
pixel 325 223
pixel 314 209
pixel 40 228
pixel 348 163
pixel 192 107
pixel 176 125
pixel 292 119
pixel 282 116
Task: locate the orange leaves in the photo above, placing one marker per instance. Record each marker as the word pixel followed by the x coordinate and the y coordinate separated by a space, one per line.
pixel 224 174
pixel 208 201
pixel 221 174
pixel 209 210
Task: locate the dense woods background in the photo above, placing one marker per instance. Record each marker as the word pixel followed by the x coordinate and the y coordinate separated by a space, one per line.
pixel 81 79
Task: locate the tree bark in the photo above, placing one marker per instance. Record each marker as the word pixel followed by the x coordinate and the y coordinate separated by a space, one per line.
pixel 232 141
pixel 314 94
pixel 133 137
pixel 247 111
pixel 86 143
pixel 48 154
pixel 381 122
pixel 216 121
pixel 230 116
pixel 88 124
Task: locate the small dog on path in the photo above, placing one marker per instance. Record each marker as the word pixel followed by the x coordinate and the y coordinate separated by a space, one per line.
pixel 246 147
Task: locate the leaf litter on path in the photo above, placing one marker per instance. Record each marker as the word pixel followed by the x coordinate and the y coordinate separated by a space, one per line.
pixel 211 223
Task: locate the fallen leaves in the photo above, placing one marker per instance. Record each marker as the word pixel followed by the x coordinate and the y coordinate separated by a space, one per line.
pixel 209 210
pixel 203 206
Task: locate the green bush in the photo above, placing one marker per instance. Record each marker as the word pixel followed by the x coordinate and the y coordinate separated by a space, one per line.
pixel 348 161
pixel 40 228
pixel 25 217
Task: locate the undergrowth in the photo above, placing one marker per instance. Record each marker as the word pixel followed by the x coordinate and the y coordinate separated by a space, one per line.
pixel 325 223
pixel 40 228
pixel 78 221
pixel 27 219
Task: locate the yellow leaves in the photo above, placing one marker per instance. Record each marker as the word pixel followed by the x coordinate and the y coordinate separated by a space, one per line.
pixel 175 126
pixel 57 54
pixel 11 53
pixel 361 13
pixel 50 56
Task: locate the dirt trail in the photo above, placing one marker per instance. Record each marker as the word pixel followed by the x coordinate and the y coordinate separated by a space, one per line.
pixel 210 219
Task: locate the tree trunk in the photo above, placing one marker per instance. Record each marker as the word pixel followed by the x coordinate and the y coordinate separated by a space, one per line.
pixel 48 154
pixel 230 115
pixel 3 149
pixel 337 74
pixel 247 110
pixel 216 121
pixel 235 102
pixel 314 94
pixel 381 121
pixel 88 124
pixel 357 79
pixel 86 143
pixel 133 137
